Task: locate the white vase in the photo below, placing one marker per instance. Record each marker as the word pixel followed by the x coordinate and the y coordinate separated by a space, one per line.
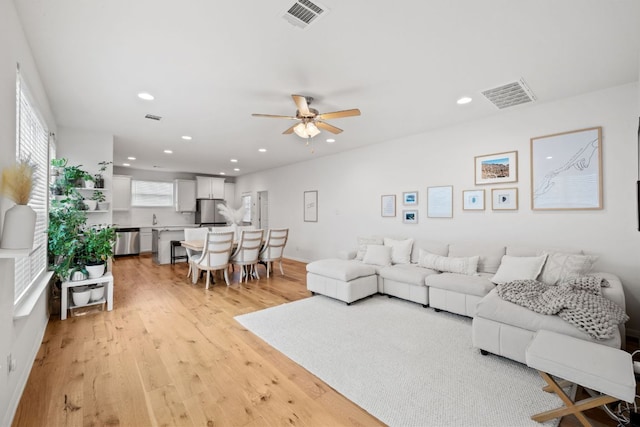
pixel 89 184
pixel 19 228
pixel 95 271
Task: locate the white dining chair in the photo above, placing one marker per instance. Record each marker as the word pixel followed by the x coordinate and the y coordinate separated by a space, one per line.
pixel 247 253
pixel 217 251
pixel 191 234
pixel 273 248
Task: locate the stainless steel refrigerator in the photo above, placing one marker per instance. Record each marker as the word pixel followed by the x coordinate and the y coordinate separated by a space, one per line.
pixel 207 212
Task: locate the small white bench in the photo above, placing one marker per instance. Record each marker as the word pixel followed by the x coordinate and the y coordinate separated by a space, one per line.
pixel 345 280
pixel 594 366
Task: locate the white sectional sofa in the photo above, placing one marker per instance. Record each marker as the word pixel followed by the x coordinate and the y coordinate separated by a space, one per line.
pixel 499 327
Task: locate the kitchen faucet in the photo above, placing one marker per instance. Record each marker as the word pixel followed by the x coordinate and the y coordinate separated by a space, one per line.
pixel 155 220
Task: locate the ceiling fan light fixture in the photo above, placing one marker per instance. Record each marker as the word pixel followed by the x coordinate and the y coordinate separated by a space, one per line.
pixel 306 130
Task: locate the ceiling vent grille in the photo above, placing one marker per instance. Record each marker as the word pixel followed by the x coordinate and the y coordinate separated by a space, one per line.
pixel 510 95
pixel 152 117
pixel 303 13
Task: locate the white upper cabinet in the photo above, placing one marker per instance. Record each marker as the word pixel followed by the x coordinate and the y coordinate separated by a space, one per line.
pixel 210 187
pixel 121 193
pixel 230 194
pixel 184 195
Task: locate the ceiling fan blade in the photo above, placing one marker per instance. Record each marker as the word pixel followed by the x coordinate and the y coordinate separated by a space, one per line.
pixel 271 116
pixel 290 130
pixel 339 114
pixel 301 103
pixel 327 126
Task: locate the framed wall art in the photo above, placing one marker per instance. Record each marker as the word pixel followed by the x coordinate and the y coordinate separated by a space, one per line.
pixel 388 205
pixel 566 170
pixel 410 198
pixel 311 206
pixel 440 202
pixel 496 168
pixel 504 199
pixel 473 200
pixel 410 217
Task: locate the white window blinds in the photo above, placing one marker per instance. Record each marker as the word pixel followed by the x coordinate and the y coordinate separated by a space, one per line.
pixel 32 142
pixel 151 193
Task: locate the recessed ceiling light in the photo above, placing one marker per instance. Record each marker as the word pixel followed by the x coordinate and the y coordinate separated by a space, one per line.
pixel 187 138
pixel 146 96
pixel 331 140
pixel 262 150
pixel 236 169
pixel 464 100
pixel 131 158
pixel 126 164
pixel 168 151
pixel 549 157
pixel 234 160
pixel 222 173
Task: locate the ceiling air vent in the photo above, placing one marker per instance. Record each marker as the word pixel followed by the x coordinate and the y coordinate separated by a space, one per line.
pixel 509 95
pixel 152 117
pixel 303 13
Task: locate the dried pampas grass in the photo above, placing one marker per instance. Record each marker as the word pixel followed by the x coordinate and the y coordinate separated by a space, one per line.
pixel 17 181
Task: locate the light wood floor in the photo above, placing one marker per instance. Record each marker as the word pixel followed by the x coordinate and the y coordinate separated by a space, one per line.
pixel 170 354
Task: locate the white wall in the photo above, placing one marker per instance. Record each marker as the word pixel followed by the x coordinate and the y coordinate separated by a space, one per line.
pixel 350 185
pixel 20 338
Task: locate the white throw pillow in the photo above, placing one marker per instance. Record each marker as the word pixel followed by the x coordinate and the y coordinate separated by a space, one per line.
pixel 363 242
pixel 377 255
pixel 518 268
pixel 400 250
pixel 560 267
pixel 466 265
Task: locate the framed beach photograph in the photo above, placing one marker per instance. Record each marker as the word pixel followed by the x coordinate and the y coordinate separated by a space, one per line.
pixel 410 198
pixel 311 206
pixel 473 200
pixel 388 205
pixel 496 168
pixel 504 199
pixel 410 217
pixel 440 202
pixel 566 170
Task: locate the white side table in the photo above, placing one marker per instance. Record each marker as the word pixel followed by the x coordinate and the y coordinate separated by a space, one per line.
pixel 107 279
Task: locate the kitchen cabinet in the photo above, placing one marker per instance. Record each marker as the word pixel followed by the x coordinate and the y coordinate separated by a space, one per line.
pixel 121 200
pixel 210 187
pixel 184 195
pixel 145 240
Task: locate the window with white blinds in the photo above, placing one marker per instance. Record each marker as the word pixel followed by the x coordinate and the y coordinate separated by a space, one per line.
pixel 151 193
pixel 32 143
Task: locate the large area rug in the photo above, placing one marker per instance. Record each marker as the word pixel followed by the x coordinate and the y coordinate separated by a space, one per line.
pixel 402 363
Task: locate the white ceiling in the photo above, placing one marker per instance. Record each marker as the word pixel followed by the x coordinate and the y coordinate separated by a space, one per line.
pixel 210 64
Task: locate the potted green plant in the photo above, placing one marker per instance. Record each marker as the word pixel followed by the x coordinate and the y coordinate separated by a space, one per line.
pixel 73 176
pixel 98 248
pixel 88 181
pixel 100 198
pixel 65 245
pixel 99 178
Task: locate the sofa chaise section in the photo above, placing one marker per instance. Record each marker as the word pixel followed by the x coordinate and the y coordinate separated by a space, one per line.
pixel 344 280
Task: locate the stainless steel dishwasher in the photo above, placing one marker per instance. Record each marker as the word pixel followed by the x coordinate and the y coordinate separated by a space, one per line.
pixel 127 241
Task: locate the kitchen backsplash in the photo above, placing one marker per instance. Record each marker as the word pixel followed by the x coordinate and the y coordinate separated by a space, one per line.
pixel 143 217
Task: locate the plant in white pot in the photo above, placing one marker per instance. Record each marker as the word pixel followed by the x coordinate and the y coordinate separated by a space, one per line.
pixel 20 220
pixel 98 248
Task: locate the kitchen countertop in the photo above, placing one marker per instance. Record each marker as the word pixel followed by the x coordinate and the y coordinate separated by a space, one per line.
pixel 160 227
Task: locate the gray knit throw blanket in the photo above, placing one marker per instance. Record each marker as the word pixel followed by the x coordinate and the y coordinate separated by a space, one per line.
pixel 579 301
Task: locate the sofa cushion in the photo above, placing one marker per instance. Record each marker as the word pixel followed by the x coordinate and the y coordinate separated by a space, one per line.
pixel 492 307
pixel 340 269
pixel 364 241
pixel 478 285
pixel 562 266
pixel 518 268
pixel 406 273
pixel 490 255
pixel 466 265
pixel 516 250
pixel 377 255
pixel 400 250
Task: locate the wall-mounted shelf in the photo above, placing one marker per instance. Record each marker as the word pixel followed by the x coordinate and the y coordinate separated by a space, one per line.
pixel 96 211
pixel 91 189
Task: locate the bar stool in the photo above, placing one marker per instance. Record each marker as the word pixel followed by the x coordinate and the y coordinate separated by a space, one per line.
pixel 174 257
